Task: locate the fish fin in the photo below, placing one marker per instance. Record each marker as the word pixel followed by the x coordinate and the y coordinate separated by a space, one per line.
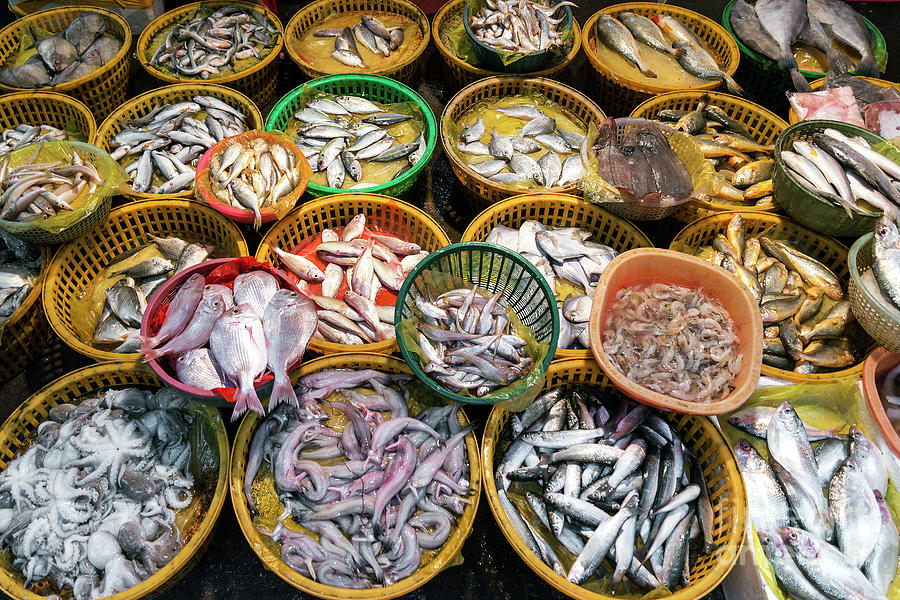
pixel 648 73
pixel 732 85
pixel 839 63
pixel 245 397
pixel 867 67
pixel 257 220
pixel 283 391
pixel 799 81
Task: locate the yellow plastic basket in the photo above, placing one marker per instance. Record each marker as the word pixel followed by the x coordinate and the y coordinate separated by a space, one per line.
pixel 25 332
pixel 77 264
pixel 619 95
pixel 826 250
pixel 48 108
pixel 478 191
pixel 102 90
pixel 382 213
pixel 258 82
pixel 21 427
pixel 269 554
pixel 701 437
pixel 559 210
pixel 404 69
pixel 29 6
pixel 818 84
pixel 170 94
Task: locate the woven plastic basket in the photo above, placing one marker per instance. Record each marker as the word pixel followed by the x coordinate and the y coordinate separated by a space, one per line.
pixel 870 311
pixel 76 265
pixel 375 88
pixel 826 250
pixel 818 84
pixel 28 6
pixel 619 95
pixel 102 90
pixel 269 554
pixel 258 82
pixel 171 94
pixel 403 69
pixel 478 191
pixel 48 108
pixel 20 428
pixel 701 437
pixel 25 332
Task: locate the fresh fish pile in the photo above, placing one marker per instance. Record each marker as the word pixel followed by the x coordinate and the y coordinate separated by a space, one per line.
pixel 807 323
pixel 890 395
pixel 607 478
pixel 253 175
pixel 90 507
pixel 161 149
pixel 23 135
pixel 570 263
pixel 673 340
pixel 215 45
pixel 396 491
pixel 353 275
pixel 371 33
pixel 521 26
pixel 349 135
pixel 844 170
pixel 79 50
pixel 20 266
pixel 886 262
pixel 36 191
pixel 845 546
pixel 220 336
pixel 469 343
pixel 126 299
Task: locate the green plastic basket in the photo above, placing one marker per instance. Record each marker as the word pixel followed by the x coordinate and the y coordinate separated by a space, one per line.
pixel 375 88
pixel 806 207
pixel 493 269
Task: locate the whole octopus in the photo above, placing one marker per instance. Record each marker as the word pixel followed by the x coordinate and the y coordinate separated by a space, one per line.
pixel 91 505
pixel 398 492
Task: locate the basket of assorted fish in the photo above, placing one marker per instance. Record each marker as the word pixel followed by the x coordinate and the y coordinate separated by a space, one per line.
pixel 33 117
pixel 819 496
pixel 736 137
pixel 639 49
pixel 72 50
pixel 350 253
pixel 874 290
pixel 881 386
pixel 161 160
pixel 861 101
pixel 508 135
pixel 834 177
pixel 477 323
pixel 295 525
pixel 799 278
pixel 141 463
pixel 358 132
pixel 570 242
pixel 240 46
pixel 97 287
pixel 460 64
pixel 347 36
pixel 567 520
pixel 23 324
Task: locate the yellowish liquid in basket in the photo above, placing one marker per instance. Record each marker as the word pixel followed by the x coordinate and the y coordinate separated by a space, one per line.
pixel 811 59
pixel 668 72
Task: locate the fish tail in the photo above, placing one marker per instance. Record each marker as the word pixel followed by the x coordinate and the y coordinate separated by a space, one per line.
pixel 283 391
pixel 732 85
pixel 867 67
pixel 838 62
pixel 648 73
pixel 257 219
pixel 245 397
pixel 799 81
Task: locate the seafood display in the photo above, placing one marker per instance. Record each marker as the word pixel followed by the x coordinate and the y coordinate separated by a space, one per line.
pixel 54 58
pixel 211 44
pixel 92 507
pixel 610 479
pixel 521 26
pixel 371 34
pixel 852 100
pixel 890 395
pixel 845 545
pixel 343 136
pixel 23 135
pixel 521 142
pixel 160 150
pixel 673 340
pixel 570 262
pixel 367 490
pixel 20 266
pixel 886 262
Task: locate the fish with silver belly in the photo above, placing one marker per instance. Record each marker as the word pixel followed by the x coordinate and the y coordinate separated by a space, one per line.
pixel 20 266
pixel 23 135
pixel 370 33
pixel 520 26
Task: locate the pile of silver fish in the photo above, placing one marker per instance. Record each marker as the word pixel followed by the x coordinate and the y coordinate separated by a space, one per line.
pixel 126 299
pixel 36 191
pixel 253 175
pixel 661 33
pixel 883 279
pixel 845 546
pixel 170 139
pixel 370 32
pixel 468 342
pixel 213 44
pixel 79 50
pixel 842 170
pixel 341 134
pixel 221 336
pixel 90 507
pixel 607 478
pixel 397 492
pixel 512 165
pixel 521 26
pixel 23 135
pixel 772 27
pixel 20 266
pixel 563 256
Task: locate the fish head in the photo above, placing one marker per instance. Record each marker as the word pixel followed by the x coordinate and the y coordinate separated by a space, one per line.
pixel 748 458
pixel 886 234
pixel 773 545
pixel 788 417
pixel 799 540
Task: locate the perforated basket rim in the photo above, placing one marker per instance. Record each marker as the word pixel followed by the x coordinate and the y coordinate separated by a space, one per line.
pixel 34 96
pixel 864 244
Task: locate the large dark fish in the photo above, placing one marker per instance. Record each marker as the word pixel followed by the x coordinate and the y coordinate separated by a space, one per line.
pixel 785 20
pixel 847 26
pixel 83 30
pixel 750 31
pixel 612 165
pixel 669 172
pixel 642 180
